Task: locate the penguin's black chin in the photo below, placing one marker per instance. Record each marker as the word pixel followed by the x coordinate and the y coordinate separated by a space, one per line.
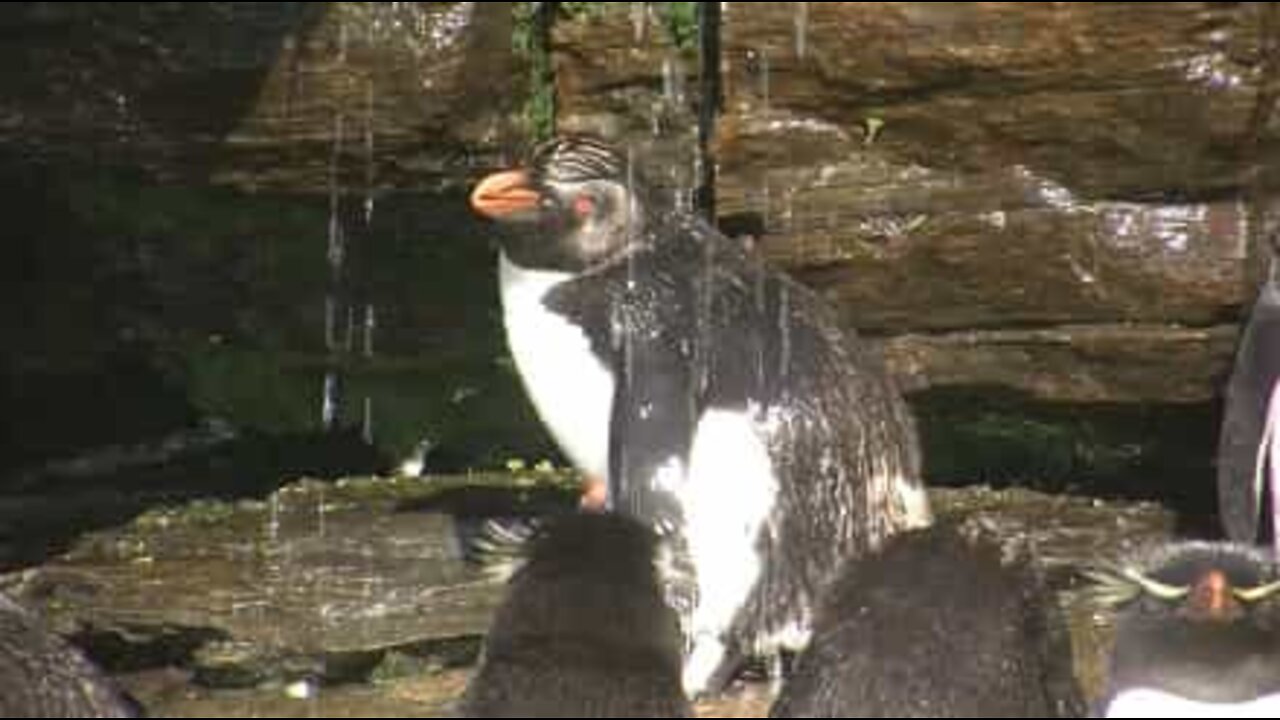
pixel 506 195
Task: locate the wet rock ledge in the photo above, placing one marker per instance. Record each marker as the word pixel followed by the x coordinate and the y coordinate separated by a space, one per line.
pixel 349 599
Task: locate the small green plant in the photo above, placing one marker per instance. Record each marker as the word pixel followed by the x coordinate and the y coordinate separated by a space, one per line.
pixel 531 40
pixel 583 9
pixel 872 126
pixel 681 19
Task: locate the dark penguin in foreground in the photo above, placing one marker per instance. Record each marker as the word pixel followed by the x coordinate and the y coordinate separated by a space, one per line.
pixel 1246 463
pixel 41 676
pixel 584 630
pixel 1197 633
pixel 945 622
pixel 718 400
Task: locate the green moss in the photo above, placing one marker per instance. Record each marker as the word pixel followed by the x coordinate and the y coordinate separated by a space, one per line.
pixel 531 41
pixel 681 20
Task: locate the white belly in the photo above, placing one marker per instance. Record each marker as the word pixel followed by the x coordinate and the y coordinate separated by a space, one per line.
pixel 1144 703
pixel 727 497
pixel 570 387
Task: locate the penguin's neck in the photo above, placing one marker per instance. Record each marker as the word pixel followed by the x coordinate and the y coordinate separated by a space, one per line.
pixel 570 387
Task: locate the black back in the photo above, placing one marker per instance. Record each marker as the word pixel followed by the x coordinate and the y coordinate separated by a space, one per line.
pixel 1257 366
pixel 41 676
pixel 583 631
pixel 937 625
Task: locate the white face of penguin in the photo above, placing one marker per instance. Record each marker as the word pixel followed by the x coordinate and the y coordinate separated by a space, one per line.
pixel 1145 703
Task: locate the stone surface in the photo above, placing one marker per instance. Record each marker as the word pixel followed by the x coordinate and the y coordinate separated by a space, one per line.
pixel 284 95
pixel 329 586
pixel 1149 364
pixel 960 168
pixel 931 168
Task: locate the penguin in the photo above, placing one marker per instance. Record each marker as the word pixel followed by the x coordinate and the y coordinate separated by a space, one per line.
pixel 945 622
pixel 713 398
pixel 1197 632
pixel 42 676
pixel 1247 467
pixel 584 629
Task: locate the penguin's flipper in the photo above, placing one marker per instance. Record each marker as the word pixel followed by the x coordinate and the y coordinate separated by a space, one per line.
pixel 1254 375
pixel 1267 471
pixel 653 419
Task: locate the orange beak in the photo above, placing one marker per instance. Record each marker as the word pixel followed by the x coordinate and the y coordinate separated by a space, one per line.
pixel 1212 599
pixel 503 194
pixel 595 494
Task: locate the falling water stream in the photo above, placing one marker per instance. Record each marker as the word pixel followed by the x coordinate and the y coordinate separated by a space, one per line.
pixel 802 30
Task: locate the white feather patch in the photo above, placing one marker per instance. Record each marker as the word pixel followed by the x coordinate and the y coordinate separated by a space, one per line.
pixel 570 387
pixel 915 503
pixel 727 498
pixel 1266 473
pixel 1147 703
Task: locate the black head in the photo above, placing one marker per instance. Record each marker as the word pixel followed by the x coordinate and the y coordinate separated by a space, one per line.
pixel 574 205
pixel 1196 622
pixel 583 631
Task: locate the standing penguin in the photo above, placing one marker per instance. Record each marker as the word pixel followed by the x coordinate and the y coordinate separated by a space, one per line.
pixel 945 622
pixel 584 630
pixel 718 401
pixel 1197 633
pixel 41 676
pixel 1248 435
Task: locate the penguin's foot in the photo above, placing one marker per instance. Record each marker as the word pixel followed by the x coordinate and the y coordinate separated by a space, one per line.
pixel 595 494
pixel 778 666
pixel 497 546
pixel 707 669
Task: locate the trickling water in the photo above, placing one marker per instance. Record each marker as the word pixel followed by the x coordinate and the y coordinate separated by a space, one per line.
pixel 366 421
pixel 802 30
pixel 369 323
pixel 640 21
pixel 784 331
pixel 758 68
pixel 342 44
pixel 703 344
pixel 672 121
pixel 673 93
pixel 335 299
pixel 336 249
pixel 370 168
pixel 760 278
pixel 350 319
pixel 764 200
pixel 370 329
pixel 632 192
pixel 623 327
pixel 330 412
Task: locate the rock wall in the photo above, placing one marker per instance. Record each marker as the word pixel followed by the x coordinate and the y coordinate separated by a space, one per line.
pixel 1064 198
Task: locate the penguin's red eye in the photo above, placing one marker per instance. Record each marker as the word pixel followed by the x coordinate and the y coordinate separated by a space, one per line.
pixel 584 206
